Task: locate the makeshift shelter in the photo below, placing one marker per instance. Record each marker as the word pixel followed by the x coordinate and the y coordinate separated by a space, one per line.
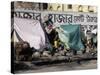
pixel 29 30
pixel 70 36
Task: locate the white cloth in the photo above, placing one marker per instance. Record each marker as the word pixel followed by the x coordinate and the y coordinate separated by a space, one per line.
pixel 94 31
pixel 31 31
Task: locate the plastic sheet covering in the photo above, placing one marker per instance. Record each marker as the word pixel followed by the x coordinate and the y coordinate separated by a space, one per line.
pixel 70 36
pixel 31 31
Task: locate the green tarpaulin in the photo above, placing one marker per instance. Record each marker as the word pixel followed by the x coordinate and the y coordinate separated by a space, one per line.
pixel 70 36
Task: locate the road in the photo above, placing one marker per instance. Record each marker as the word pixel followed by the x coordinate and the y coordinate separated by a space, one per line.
pixel 91 64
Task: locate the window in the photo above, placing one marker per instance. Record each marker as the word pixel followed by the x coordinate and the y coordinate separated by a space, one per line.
pixel 69 6
pixel 80 8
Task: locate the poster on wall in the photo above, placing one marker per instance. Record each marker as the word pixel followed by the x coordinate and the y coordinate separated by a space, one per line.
pixel 49 37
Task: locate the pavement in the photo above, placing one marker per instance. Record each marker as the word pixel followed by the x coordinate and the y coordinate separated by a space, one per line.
pixel 84 65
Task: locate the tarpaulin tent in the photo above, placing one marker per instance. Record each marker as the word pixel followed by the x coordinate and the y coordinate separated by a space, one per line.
pixel 70 36
pixel 29 30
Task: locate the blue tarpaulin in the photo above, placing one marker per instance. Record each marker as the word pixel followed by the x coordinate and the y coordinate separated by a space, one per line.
pixel 70 36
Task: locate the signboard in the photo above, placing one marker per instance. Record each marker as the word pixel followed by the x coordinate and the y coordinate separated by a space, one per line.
pixel 60 17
